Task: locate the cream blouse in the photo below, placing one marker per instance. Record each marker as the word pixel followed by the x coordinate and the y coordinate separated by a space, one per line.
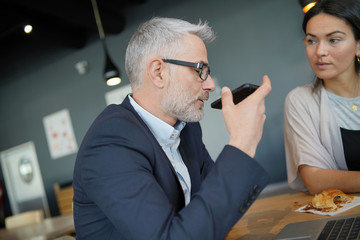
pixel 311 134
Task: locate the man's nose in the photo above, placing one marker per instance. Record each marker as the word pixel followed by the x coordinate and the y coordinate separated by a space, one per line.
pixel 209 84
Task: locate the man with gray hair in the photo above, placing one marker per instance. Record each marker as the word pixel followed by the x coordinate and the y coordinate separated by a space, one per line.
pixel 142 170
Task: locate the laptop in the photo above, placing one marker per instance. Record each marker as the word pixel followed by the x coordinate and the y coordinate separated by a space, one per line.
pixel 343 227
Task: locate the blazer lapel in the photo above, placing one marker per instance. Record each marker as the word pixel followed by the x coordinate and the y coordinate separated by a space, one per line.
pixel 164 159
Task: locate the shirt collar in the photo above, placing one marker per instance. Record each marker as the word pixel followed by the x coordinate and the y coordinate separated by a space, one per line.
pixel 163 132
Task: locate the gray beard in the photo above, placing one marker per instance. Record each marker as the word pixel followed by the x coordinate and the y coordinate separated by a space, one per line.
pixel 180 105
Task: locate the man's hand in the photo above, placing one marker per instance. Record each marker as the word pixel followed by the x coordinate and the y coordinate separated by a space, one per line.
pixel 245 121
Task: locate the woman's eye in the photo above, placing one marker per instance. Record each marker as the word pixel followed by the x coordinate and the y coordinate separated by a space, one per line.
pixel 310 41
pixel 334 40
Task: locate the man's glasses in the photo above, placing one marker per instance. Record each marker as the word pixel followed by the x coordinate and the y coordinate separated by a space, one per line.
pixel 203 68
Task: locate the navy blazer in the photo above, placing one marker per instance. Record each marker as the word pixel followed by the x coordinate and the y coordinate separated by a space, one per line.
pixel 126 188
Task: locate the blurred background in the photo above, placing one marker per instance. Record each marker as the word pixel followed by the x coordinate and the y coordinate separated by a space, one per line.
pixel 59 67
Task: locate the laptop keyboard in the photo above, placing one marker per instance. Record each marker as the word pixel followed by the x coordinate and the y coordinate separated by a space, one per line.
pixel 346 229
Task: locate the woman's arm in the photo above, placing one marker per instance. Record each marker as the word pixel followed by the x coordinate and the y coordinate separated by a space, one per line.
pixel 317 179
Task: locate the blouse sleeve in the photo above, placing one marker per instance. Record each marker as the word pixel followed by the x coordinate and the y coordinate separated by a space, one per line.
pixel 303 143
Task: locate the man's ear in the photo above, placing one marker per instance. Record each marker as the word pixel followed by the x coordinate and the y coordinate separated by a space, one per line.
pixel 156 72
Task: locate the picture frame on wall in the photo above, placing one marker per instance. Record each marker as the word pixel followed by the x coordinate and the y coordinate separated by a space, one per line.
pixel 117 95
pixel 60 134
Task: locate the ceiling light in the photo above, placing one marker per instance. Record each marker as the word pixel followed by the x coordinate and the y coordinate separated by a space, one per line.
pixel 28 28
pixel 307 4
pixel 308 7
pixel 111 73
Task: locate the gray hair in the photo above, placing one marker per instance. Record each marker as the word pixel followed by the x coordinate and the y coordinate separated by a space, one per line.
pixel 159 37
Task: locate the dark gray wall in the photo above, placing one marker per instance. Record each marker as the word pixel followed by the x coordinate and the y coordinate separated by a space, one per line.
pixel 254 38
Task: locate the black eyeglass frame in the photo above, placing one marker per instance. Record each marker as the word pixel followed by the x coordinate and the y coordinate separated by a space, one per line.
pixel 191 64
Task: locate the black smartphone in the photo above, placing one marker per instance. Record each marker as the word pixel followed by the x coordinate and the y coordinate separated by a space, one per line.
pixel 239 94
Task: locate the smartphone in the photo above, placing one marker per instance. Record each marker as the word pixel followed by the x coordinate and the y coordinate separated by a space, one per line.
pixel 239 94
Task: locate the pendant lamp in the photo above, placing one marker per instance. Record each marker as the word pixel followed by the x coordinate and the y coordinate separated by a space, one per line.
pixel 307 4
pixel 111 73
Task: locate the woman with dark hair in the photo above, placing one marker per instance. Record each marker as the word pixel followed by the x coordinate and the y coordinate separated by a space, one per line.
pixel 322 119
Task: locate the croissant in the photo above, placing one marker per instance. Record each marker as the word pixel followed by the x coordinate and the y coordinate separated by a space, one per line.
pixel 329 197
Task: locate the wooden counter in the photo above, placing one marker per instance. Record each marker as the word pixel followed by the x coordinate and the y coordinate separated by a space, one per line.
pixel 49 229
pixel 267 216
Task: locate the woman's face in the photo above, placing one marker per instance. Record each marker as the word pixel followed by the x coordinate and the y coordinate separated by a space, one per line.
pixel 331 47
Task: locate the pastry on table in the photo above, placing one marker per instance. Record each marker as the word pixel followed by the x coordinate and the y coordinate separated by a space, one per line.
pixel 329 198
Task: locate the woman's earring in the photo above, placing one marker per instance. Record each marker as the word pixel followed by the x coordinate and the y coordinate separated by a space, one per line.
pixel 358 58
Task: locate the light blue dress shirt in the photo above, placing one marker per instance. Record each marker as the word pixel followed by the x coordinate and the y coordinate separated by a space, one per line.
pixel 169 139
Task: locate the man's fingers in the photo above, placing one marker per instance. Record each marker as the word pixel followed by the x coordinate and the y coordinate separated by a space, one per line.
pixel 265 87
pixel 260 93
pixel 226 96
